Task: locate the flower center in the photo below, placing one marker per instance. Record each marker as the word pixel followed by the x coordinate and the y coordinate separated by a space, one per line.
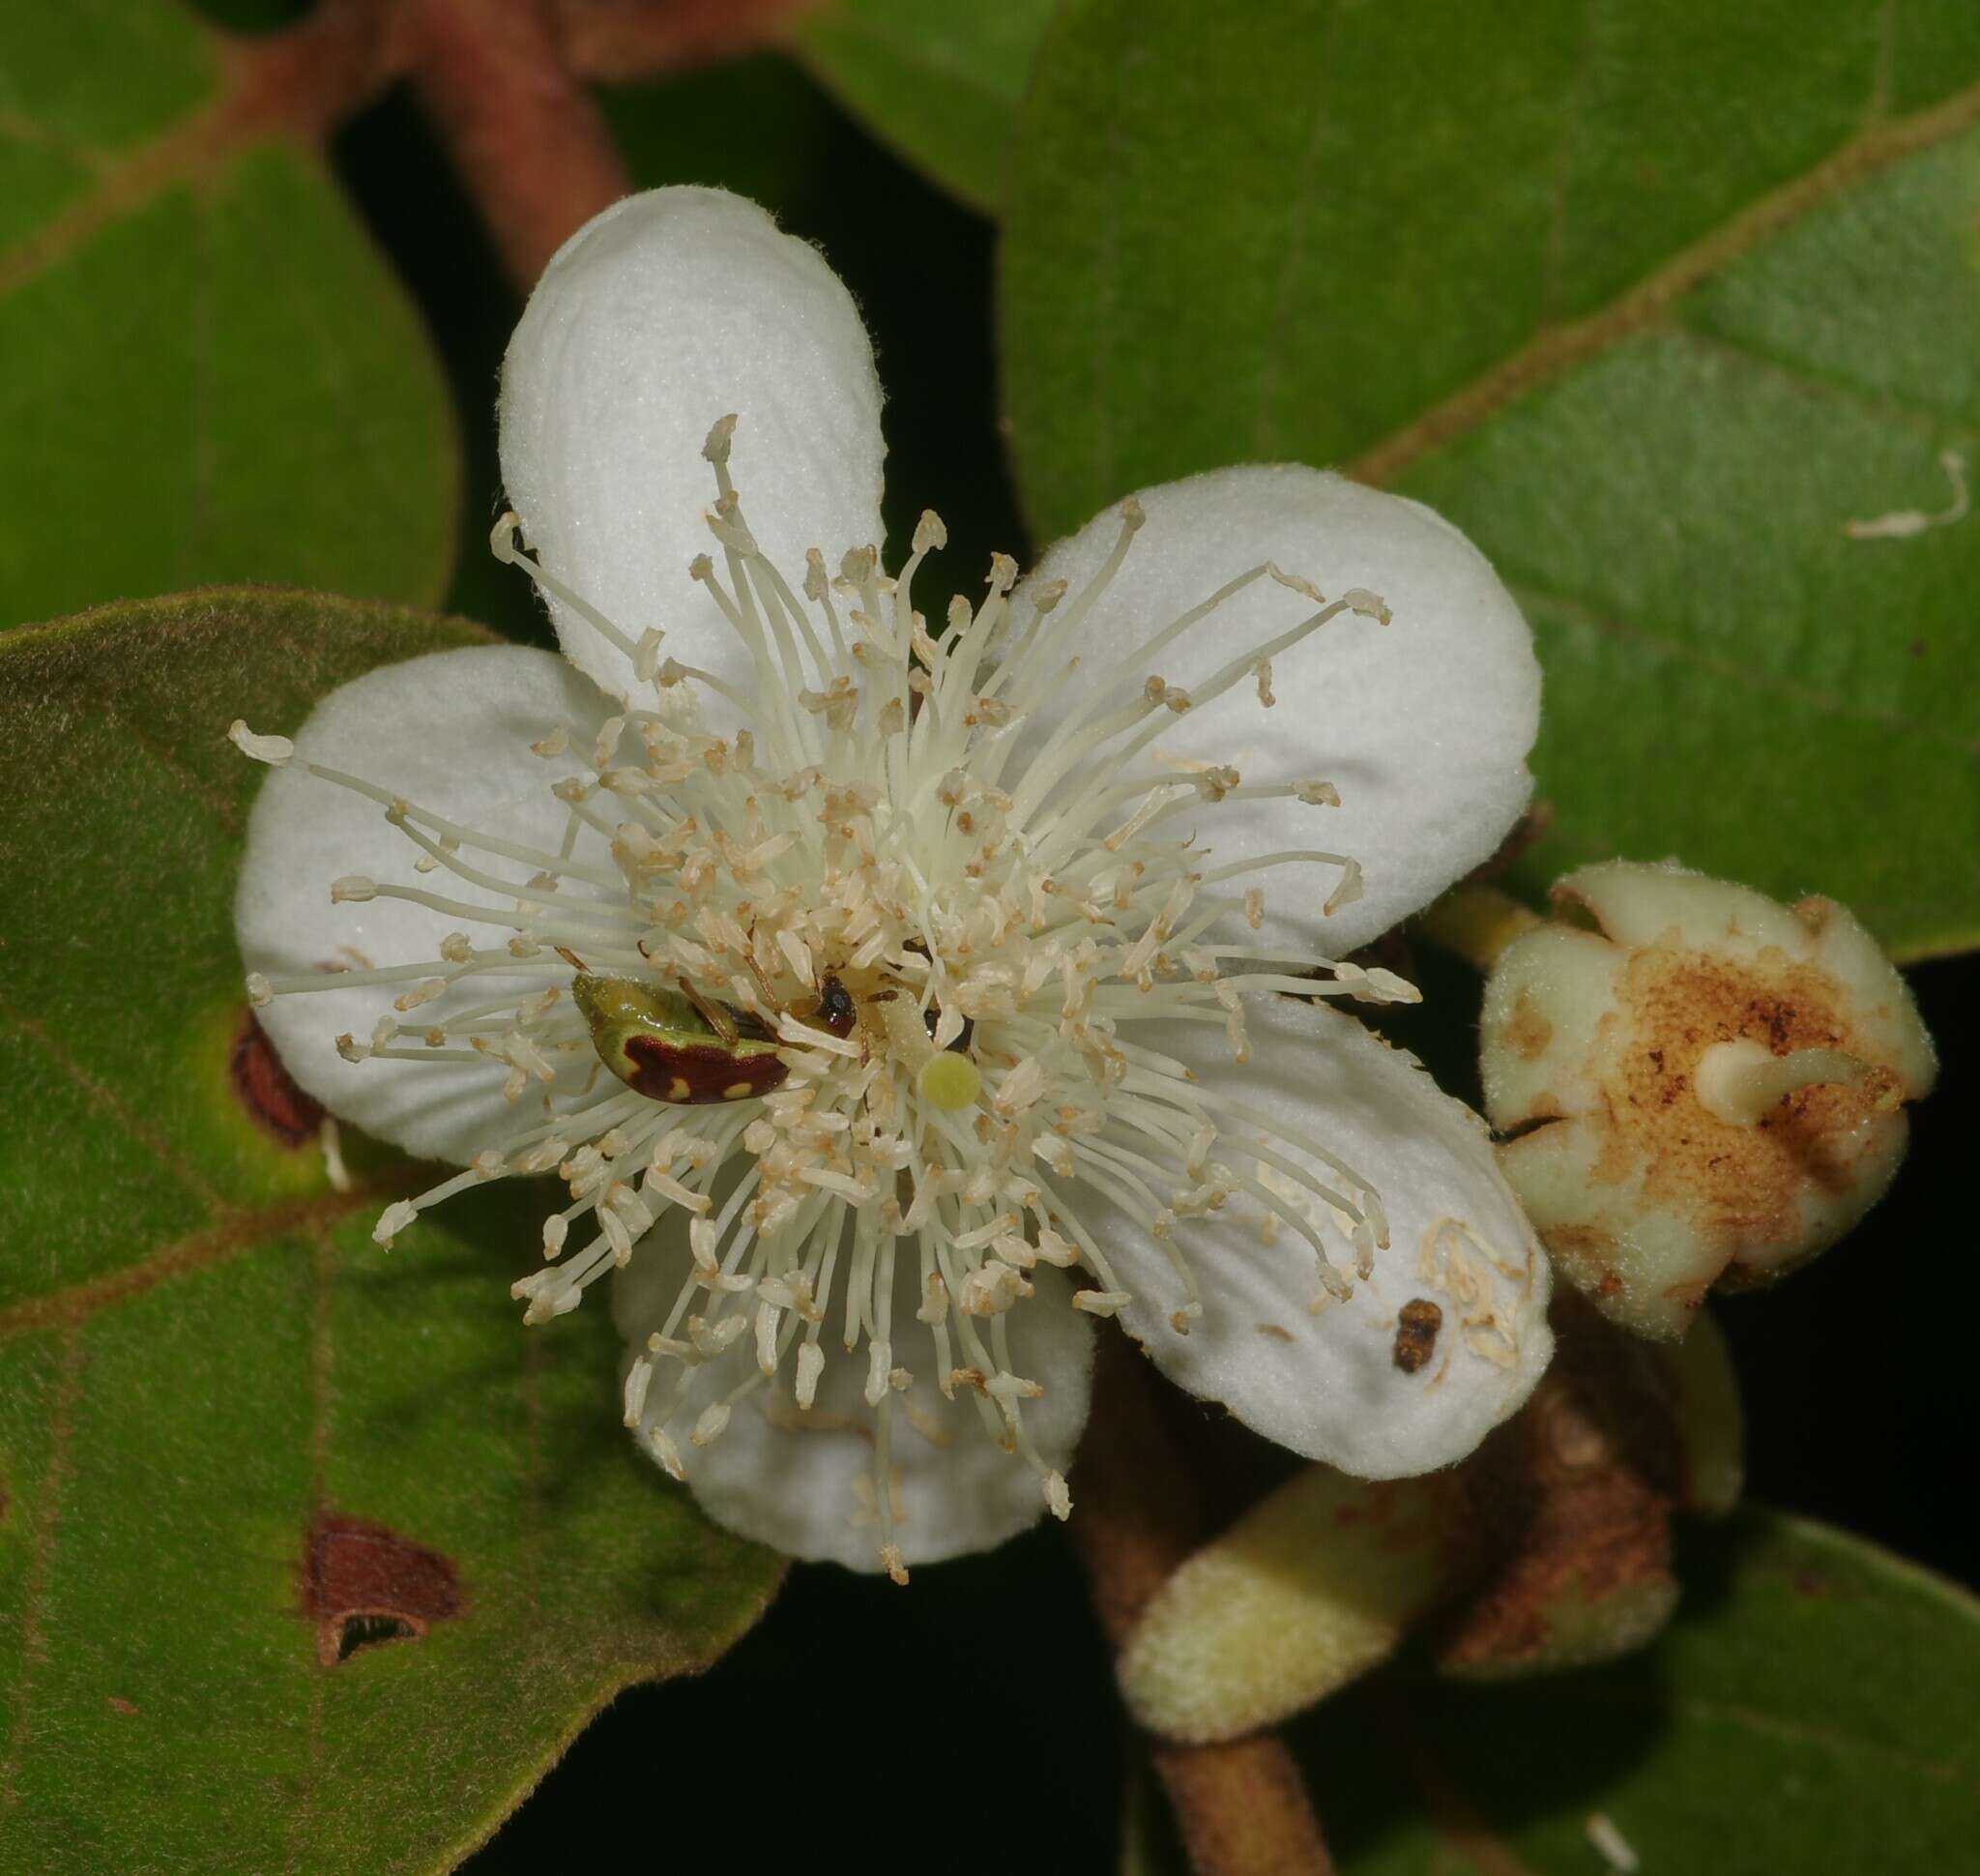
pixel 869 977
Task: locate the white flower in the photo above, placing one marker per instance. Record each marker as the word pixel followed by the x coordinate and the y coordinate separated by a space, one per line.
pixel 972 944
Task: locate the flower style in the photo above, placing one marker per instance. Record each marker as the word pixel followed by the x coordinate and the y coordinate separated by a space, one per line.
pixel 892 1003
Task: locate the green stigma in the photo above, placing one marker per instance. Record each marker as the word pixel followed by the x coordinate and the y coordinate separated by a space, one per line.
pixel 950 1081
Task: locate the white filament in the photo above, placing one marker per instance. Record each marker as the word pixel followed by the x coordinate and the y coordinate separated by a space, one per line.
pixel 864 823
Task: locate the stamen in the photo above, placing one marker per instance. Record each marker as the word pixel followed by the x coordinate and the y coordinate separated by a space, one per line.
pixel 275 750
pixel 888 993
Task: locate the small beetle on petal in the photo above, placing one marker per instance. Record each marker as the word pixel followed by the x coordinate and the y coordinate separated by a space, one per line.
pixel 662 1047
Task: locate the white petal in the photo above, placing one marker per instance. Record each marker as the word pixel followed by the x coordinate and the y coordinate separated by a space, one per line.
pixel 449 732
pixel 1547 996
pixel 1423 725
pixel 1637 903
pixel 802 1483
pixel 1328 1384
pixel 661 316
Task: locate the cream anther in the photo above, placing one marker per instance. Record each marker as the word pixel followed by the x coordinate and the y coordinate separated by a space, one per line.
pixel 505 537
pixel 925 957
pixel 275 750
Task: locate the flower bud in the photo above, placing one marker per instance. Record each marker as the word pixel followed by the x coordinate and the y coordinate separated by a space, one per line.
pixel 1308 1590
pixel 1547 1548
pixel 1705 1088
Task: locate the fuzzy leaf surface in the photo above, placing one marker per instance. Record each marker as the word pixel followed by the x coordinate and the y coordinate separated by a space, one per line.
pixel 211 373
pixel 239 1441
pixel 1652 299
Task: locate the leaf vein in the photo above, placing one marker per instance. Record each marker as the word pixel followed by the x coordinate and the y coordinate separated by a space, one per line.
pixel 1882 59
pixel 1559 348
pixel 1940 425
pixel 225 1238
pixel 34 1600
pixel 1554 255
pixel 1844 1744
pixel 1672 647
pixel 98 1093
pixel 222 806
pixel 1280 341
pixel 303 1825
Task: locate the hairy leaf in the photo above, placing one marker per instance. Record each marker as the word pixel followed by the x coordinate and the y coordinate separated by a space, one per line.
pixel 1654 300
pixel 305 1549
pixel 940 83
pixel 210 372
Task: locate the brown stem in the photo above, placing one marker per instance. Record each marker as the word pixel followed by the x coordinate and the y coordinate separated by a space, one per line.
pixel 527 137
pixel 308 79
pixel 626 40
pixel 501 80
pixel 1242 1809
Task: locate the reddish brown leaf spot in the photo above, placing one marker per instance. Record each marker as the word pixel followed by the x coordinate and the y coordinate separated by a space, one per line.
pixel 272 1099
pixel 364 1583
pixel 119 1705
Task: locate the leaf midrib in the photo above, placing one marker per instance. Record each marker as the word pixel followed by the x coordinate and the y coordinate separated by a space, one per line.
pixel 233 117
pixel 1560 347
pixel 1826 1739
pixel 231 1234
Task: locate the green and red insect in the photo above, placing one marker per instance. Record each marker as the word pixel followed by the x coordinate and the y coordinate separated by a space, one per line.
pixel 671 1045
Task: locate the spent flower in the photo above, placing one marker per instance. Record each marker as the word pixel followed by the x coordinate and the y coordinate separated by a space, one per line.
pixel 1705 1089
pixel 895 998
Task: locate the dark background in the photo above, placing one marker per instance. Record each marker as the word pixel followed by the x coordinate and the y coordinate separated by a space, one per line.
pixel 968 1721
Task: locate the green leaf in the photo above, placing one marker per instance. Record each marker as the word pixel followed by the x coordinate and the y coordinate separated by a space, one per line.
pixel 1811 1708
pixel 919 273
pixel 229 1419
pixel 211 374
pixel 683 130
pixel 1651 299
pixel 940 83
